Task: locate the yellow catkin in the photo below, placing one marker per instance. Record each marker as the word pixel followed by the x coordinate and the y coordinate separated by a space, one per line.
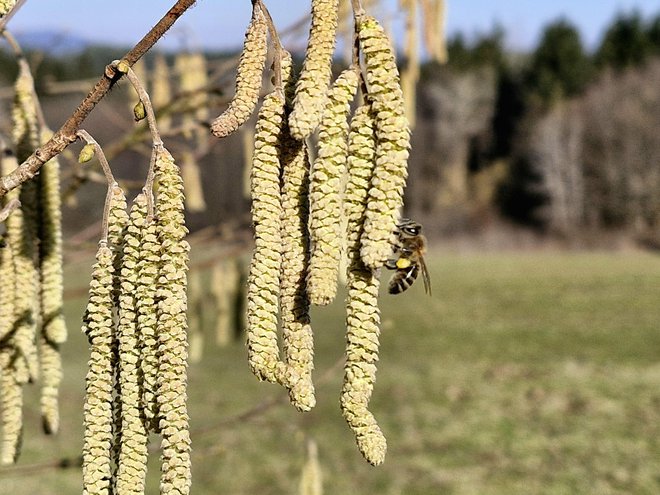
pixel 298 340
pixel 196 316
pixel 13 368
pixel 362 314
pixel 146 295
pixel 11 397
pixel 172 326
pixel 8 277
pixel 6 6
pixel 132 467
pixel 11 406
pixel 393 137
pixel 249 76
pixel 25 129
pixel 102 412
pixel 192 182
pixel 97 410
pixel 224 285
pixel 53 331
pixel 315 75
pixel 25 134
pixel 117 222
pixel 434 29
pixel 311 480
pixel 193 78
pixel 7 268
pixel 161 91
pixel 264 276
pixel 326 190
pixel 411 70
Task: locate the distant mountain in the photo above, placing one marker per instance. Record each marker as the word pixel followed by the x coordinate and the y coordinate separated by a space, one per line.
pixel 57 43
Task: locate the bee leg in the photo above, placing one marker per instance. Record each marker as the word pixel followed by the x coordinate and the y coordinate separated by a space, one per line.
pixel 391 264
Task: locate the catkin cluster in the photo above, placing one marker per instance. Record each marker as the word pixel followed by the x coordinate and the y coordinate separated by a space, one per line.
pixel 32 326
pixel 304 216
pixel 276 281
pixel 136 382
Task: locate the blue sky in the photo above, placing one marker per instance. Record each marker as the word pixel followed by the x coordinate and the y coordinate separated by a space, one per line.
pixel 220 23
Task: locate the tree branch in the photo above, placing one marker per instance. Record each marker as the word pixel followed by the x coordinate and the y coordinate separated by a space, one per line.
pixel 67 133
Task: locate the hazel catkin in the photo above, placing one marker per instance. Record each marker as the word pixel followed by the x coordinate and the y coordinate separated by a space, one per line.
pixel 132 466
pixel 362 314
pixel 248 77
pixel 146 307
pixel 326 190
pixel 172 327
pixel 98 418
pixel 298 340
pixel 393 138
pixel 315 75
pixel 264 275
pixel 53 325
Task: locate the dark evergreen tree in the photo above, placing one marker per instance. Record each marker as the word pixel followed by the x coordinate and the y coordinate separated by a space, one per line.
pixel 626 43
pixel 559 66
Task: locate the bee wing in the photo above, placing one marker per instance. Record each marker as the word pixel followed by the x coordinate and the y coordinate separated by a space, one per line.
pixel 425 275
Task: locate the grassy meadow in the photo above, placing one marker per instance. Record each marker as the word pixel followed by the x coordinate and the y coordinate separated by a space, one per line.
pixel 524 373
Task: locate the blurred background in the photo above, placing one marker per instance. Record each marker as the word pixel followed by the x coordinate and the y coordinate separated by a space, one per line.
pixel 535 170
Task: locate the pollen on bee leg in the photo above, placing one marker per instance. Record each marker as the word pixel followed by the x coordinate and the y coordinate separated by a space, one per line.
pixel 403 263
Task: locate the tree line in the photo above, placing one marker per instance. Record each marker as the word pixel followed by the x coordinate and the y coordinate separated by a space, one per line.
pixel 561 139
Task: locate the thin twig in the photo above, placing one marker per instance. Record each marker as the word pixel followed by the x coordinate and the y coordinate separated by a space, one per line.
pixel 357 8
pixel 98 151
pixel 8 209
pixel 146 101
pixel 67 133
pixel 107 171
pixel 155 136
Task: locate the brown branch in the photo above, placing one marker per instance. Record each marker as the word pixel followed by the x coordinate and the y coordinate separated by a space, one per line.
pixel 67 133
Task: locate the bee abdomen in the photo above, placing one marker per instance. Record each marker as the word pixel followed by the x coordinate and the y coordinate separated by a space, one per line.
pixel 403 279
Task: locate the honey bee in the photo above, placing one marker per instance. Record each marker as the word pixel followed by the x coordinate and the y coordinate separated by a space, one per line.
pixel 408 258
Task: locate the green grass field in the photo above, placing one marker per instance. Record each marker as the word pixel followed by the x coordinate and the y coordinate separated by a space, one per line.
pixel 523 374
